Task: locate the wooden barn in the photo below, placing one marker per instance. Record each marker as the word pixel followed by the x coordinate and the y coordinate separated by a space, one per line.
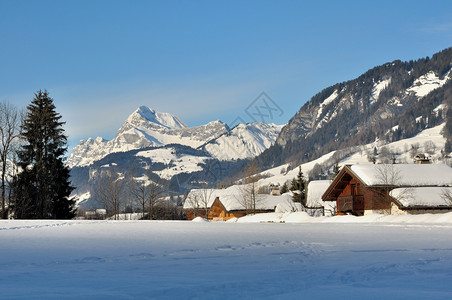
pixel 391 189
pixel 224 204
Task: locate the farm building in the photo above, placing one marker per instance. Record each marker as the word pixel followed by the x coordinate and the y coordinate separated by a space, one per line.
pixel 391 189
pixel 224 204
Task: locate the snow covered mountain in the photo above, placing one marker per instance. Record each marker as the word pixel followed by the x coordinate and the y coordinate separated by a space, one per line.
pixel 145 128
pixel 148 128
pixel 243 141
pixel 178 155
pixel 390 102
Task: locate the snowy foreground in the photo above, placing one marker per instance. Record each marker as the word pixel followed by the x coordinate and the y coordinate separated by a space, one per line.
pixel 374 257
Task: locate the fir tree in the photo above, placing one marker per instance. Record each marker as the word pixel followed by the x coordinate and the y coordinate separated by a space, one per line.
pixel 284 188
pixel 336 168
pixel 448 147
pixel 298 188
pixel 42 189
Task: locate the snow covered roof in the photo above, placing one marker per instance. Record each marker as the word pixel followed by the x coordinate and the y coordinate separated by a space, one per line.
pixel 422 196
pixel 231 198
pixel 316 189
pixel 404 174
pixel 288 206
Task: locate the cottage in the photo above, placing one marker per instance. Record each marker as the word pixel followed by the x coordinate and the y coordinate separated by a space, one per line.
pixel 422 158
pixel 391 189
pixel 224 204
pixel 275 189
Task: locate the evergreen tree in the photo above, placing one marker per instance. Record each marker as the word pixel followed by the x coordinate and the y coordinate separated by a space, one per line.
pixel 336 168
pixel 448 147
pixel 42 189
pixel 298 188
pixel 284 188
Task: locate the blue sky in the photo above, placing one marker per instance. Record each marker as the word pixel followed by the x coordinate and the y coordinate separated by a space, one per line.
pixel 201 60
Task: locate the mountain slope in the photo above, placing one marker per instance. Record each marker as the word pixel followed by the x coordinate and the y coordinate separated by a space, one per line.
pixel 429 141
pixel 389 102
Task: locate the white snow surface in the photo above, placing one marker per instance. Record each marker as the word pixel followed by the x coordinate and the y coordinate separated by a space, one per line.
pixel 378 87
pixel 177 164
pixel 425 84
pixel 327 101
pixel 404 174
pixel 422 196
pixel 371 257
pixel 442 106
pixel 158 118
pixel 83 197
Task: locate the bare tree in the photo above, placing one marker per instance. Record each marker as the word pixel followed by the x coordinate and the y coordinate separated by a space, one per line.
pixel 385 155
pixel 430 147
pixel 389 177
pixel 139 191
pixel 446 194
pixel 109 192
pixel 10 120
pixel 250 198
pixel 205 198
pixel 414 150
pixel 147 193
pixel 194 199
pixel 156 191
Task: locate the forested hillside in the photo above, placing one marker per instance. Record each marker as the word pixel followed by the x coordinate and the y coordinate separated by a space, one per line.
pixel 389 102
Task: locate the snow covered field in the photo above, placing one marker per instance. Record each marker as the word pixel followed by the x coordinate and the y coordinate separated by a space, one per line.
pixel 374 257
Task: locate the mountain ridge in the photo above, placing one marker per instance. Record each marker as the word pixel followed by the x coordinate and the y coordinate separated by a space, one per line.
pixel 388 102
pixel 146 127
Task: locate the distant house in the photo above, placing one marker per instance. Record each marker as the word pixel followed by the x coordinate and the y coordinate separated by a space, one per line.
pixel 275 189
pixel 224 204
pixel 98 214
pixel 391 189
pixel 422 158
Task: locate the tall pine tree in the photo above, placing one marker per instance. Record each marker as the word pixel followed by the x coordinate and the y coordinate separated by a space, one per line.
pixel 298 188
pixel 42 188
